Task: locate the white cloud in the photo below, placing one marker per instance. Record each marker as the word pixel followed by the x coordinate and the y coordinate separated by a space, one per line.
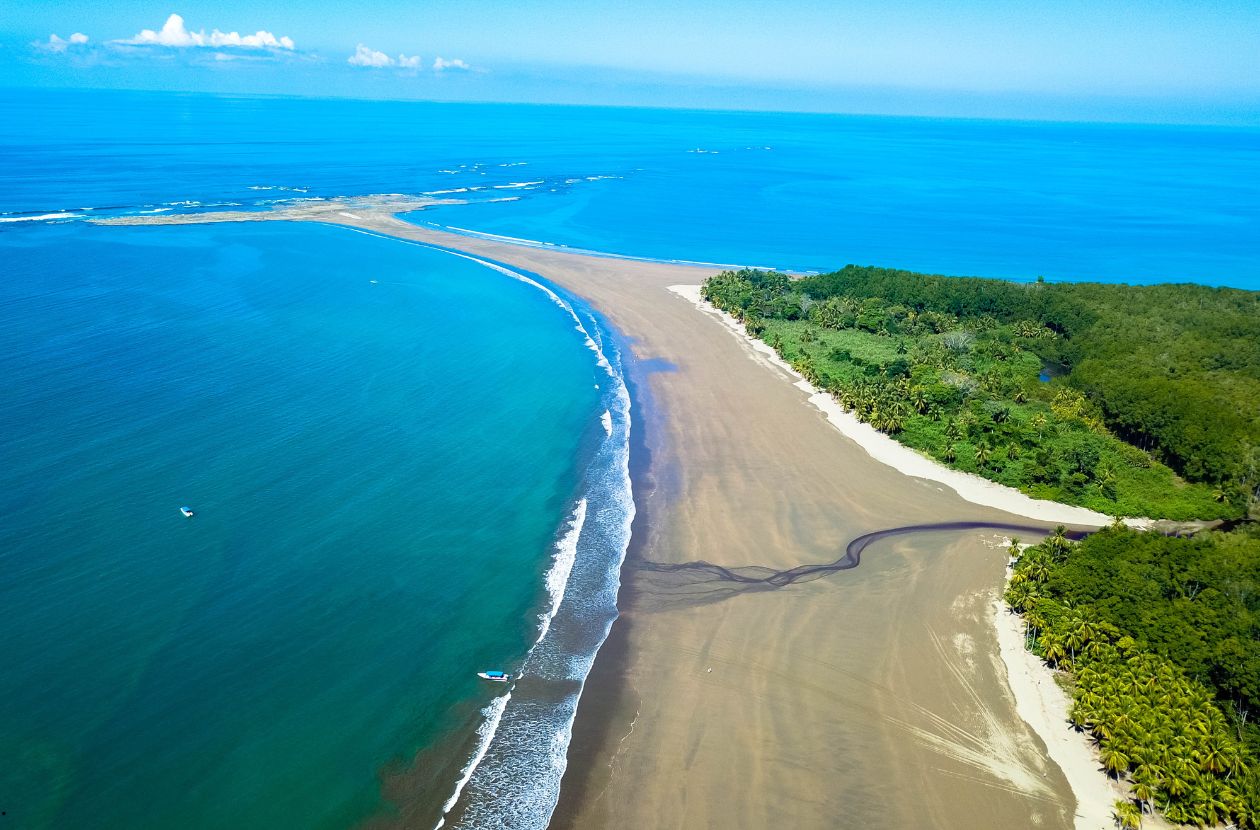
pixel 363 56
pixel 174 33
pixel 59 44
pixel 441 64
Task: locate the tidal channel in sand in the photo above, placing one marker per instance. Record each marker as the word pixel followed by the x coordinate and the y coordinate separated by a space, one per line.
pixel 874 697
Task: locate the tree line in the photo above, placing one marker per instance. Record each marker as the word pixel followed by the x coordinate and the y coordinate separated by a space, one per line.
pixel 1087 394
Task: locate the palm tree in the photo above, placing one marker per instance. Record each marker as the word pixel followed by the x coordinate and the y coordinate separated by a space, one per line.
pixel 1055 652
pixel 1127 815
pixel 1037 569
pixel 1145 785
pixel 1057 543
pixel 983 454
pixel 951 453
pixel 1038 422
pixel 1017 596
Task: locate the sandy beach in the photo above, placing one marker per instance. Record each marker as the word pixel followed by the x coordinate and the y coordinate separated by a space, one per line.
pixel 878 696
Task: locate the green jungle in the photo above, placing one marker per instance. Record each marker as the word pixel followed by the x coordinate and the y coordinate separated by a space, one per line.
pixel 1160 636
pixel 1129 400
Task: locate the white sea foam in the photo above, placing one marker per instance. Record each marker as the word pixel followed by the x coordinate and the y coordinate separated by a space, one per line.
pixel 516 185
pixel 606 420
pixel 40 218
pixel 440 192
pixel 562 565
pixel 533 243
pixel 491 715
pixel 513 779
pixel 515 240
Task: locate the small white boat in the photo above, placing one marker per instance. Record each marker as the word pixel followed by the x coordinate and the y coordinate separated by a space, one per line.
pixel 187 512
pixel 495 676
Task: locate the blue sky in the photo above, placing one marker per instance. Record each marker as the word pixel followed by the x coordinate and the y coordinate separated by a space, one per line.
pixel 1149 60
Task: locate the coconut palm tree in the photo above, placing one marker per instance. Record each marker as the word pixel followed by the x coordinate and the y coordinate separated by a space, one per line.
pixel 1127 816
pixel 1038 422
pixel 1056 653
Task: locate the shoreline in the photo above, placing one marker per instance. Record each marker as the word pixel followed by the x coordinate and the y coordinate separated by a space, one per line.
pixel 886 449
pixel 628 673
pixel 1044 706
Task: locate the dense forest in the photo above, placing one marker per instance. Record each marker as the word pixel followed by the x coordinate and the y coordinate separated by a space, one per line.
pixel 1130 400
pixel 1161 636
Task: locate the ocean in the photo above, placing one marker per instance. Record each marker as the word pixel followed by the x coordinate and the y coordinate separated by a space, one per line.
pixel 406 465
pixel 1018 200
pixel 395 458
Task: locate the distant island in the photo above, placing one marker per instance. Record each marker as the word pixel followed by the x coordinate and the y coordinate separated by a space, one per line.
pixel 1128 400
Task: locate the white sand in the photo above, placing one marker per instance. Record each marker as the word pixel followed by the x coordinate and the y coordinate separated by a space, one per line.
pixel 905 460
pixel 1044 706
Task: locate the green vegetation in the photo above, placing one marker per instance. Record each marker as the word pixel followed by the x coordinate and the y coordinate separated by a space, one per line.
pixel 1151 407
pixel 1162 639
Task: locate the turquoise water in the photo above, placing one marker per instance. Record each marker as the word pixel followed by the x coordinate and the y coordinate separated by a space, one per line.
pixel 1108 202
pixel 379 473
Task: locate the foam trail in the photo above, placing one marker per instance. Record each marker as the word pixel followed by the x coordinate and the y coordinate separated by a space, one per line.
pixel 493 713
pixel 40 218
pixel 534 243
pixel 558 577
pixel 515 781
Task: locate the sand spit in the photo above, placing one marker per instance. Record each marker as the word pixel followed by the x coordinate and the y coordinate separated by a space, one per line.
pixel 876 697
pixel 300 210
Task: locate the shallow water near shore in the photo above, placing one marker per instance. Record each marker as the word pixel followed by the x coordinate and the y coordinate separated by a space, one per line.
pixel 386 449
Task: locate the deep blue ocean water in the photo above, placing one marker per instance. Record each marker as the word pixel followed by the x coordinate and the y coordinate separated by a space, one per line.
pixel 398 457
pixel 1115 203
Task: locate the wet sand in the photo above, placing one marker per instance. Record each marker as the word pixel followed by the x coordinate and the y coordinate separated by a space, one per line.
pixel 872 697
